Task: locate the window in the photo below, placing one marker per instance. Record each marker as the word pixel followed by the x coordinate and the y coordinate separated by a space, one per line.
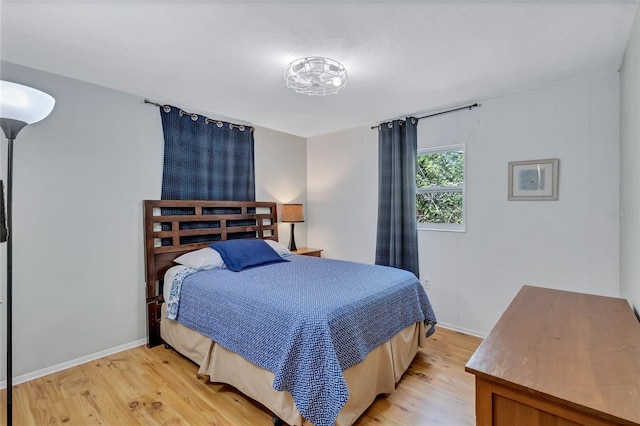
pixel 440 188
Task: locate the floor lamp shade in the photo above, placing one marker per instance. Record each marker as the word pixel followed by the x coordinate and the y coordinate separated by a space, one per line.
pixel 19 106
pixel 23 103
pixel 292 213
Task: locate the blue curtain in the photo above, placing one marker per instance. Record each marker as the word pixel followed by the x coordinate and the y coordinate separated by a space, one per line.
pixel 206 159
pixel 397 236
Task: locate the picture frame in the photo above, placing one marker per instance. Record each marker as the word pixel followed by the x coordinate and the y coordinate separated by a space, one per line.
pixel 533 180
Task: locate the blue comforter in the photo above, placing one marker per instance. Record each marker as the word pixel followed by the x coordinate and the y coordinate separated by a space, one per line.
pixel 305 320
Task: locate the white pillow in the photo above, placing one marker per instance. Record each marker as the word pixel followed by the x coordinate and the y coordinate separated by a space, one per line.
pixel 206 258
pixel 278 248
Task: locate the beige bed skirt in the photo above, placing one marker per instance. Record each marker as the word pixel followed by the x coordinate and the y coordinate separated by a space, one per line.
pixel 377 374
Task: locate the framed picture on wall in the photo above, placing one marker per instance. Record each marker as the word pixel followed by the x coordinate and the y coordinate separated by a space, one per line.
pixel 533 180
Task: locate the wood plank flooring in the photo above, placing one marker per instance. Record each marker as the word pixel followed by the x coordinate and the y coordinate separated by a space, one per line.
pixel 159 387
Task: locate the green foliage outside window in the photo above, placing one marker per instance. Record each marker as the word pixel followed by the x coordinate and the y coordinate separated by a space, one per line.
pixel 439 183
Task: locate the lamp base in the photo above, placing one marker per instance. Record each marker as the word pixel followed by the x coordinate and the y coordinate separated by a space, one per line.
pixel 292 241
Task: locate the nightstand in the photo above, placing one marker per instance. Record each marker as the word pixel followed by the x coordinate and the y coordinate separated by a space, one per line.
pixel 306 251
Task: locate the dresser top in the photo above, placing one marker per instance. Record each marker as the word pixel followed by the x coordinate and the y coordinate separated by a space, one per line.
pixel 581 349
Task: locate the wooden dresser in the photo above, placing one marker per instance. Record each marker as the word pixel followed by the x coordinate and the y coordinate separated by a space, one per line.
pixel 559 358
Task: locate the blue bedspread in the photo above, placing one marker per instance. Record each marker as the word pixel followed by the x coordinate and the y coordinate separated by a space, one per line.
pixel 305 320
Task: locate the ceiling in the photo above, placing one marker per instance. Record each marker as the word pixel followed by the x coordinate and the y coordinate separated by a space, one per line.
pixel 227 58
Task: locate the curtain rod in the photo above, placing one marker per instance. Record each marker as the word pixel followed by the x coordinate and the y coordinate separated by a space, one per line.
pixel 441 112
pixel 194 116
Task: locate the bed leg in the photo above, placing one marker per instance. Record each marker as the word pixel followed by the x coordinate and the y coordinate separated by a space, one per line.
pixel 166 345
pixel 277 421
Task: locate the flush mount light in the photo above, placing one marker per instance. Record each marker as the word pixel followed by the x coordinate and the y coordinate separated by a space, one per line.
pixel 316 76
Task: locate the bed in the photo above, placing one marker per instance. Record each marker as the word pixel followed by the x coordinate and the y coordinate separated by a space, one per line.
pixel 311 372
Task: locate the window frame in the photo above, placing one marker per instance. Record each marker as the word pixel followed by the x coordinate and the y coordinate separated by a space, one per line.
pixel 448 227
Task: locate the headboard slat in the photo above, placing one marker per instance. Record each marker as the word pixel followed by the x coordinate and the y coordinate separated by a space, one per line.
pixel 213 217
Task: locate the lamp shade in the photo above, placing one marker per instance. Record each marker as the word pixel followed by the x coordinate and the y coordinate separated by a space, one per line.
pixel 292 213
pixel 23 103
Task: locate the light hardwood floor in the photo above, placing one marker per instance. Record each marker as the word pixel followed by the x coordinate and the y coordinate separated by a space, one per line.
pixel 159 387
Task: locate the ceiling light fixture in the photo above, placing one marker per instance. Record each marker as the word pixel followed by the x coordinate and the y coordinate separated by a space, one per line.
pixel 316 76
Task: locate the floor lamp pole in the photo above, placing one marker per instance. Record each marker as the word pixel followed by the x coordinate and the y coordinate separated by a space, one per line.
pixel 11 129
pixel 9 284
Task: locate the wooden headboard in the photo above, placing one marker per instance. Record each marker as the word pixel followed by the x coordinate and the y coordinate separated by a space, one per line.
pixel 172 228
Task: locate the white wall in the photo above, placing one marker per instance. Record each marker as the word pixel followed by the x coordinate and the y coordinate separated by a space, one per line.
pixel 569 244
pixel 629 170
pixel 79 180
pixel 281 176
pixel 342 194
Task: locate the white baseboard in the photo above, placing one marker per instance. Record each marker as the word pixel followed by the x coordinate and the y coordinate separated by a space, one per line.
pixel 461 329
pixel 73 363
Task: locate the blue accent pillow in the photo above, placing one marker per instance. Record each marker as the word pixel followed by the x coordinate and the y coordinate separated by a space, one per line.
pixel 243 254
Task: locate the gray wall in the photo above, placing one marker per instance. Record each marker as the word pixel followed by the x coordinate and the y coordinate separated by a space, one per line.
pixel 630 169
pixel 80 177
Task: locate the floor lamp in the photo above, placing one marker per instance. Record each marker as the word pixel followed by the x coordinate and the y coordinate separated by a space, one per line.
pixel 19 105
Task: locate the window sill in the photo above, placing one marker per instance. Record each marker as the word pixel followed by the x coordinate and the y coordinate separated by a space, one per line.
pixel 446 227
